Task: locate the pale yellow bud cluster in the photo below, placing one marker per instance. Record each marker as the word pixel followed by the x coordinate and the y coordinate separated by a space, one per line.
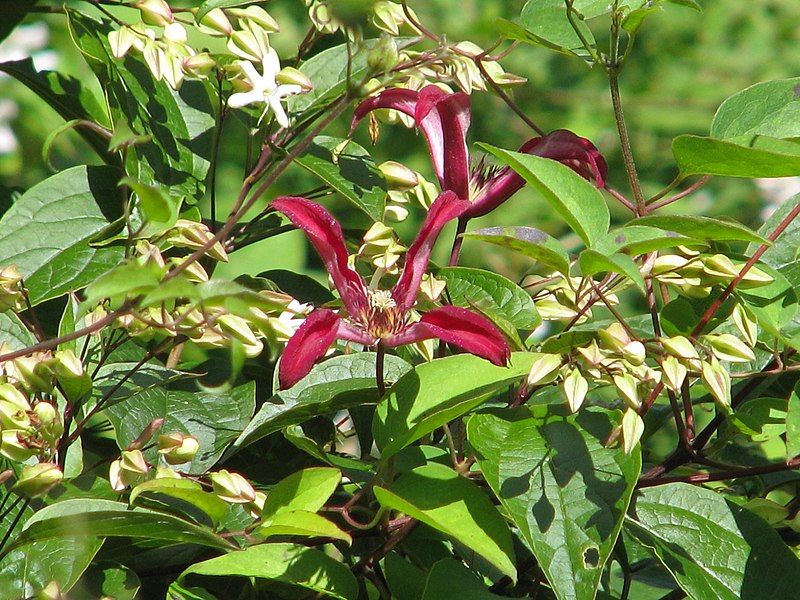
pixel 381 248
pixel 27 429
pixel 567 299
pixel 694 275
pixel 11 289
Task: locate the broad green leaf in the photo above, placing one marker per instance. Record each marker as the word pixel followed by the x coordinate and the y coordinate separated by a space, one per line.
pixel 210 5
pixel 107 518
pixel 107 580
pixel 449 578
pixel 441 498
pixel 593 262
pixel 286 563
pixel 529 241
pixel 430 396
pixel 577 201
pixel 640 239
pixel 697 155
pixel 793 426
pixel 181 123
pixel 185 490
pixel 130 279
pixel 712 547
pixel 560 485
pixel 302 523
pixel 307 489
pixel 771 108
pixel 701 228
pixel 14 333
pixel 335 384
pixel 68 97
pixel 775 305
pixel 406 581
pixel 215 419
pixel 46 232
pixel 487 291
pixel 13 13
pixel 349 170
pixel 158 210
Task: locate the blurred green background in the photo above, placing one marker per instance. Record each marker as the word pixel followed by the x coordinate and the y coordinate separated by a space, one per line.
pixel 684 65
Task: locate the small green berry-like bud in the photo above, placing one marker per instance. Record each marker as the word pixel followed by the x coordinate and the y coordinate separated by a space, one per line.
pixel 155 12
pixel 398 176
pixel 178 448
pixel 232 487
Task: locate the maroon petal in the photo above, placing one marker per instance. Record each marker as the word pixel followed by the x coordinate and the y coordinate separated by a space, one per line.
pixel 461 327
pixel 444 209
pixel 309 343
pixel 494 191
pixel 444 119
pixel 578 153
pixel 325 234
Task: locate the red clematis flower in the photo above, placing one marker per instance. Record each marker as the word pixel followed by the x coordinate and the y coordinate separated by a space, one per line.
pixel 380 317
pixel 444 118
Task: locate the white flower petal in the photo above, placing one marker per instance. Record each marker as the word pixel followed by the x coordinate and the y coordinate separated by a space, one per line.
pixel 241 99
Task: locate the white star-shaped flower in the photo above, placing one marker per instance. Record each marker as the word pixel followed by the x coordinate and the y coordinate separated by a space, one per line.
pixel 264 88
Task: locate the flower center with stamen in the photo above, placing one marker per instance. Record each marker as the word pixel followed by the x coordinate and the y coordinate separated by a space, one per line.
pixel 381 318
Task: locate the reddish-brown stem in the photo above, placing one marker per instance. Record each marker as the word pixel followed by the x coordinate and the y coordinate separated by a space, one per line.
pixel 722 476
pixel 653 206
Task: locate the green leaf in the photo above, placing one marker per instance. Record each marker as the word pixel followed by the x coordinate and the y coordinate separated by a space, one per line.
pixel 430 396
pixel 130 279
pixel 577 201
pixel 286 563
pixel 215 419
pixel 184 490
pixel 46 232
pixel 349 170
pixel 302 523
pixel 487 291
pixel 560 485
pixel 14 333
pixel 13 13
pixel 307 490
pixel 529 241
pixel 441 498
pixel 774 305
pixel 107 518
pixel 110 581
pixel 449 578
pixel 793 425
pixel 697 155
pixel 771 108
pixel 209 5
pixel 68 97
pixel 702 228
pixel 159 211
pixel 336 384
pixel 712 547
pixel 181 123
pixel 593 262
pixel 640 239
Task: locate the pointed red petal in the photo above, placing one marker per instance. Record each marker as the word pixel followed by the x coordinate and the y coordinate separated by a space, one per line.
pixel 495 191
pixel 461 327
pixel 309 343
pixel 396 98
pixel 444 209
pixel 325 234
pixel 444 119
pixel 578 153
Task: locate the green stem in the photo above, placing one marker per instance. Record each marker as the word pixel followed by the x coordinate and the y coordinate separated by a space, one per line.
pixel 380 353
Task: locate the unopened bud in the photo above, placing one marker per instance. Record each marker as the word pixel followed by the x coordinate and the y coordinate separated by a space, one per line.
pixel 232 487
pixel 178 448
pixel 398 176
pixel 52 591
pixel 249 45
pixel 49 427
pixel 292 76
pixel 674 373
pixel 544 369
pixel 194 235
pixel 682 349
pixel 33 372
pixel 431 288
pixel 215 22
pixel 127 469
pixel 15 446
pixel 258 16
pixel 754 278
pixel 384 55
pixel 36 480
pixel 746 325
pixel 628 389
pixel 726 346
pixel 718 382
pixel 256 507
pixel 575 388
pixel 155 12
pixel 175 33
pixel 239 329
pixel 634 353
pixel 14 408
pixel 614 337
pixel 632 430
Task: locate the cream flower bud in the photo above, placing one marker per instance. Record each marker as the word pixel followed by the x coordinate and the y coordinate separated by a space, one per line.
pixel 178 448
pixel 398 176
pixel 15 447
pixel 674 373
pixel 232 487
pixel 614 337
pixel 121 41
pixel 726 346
pixel 746 325
pixel 544 369
pixel 176 33
pixel 628 389
pixel 127 469
pixel 258 16
pixel 718 382
pixel 292 76
pixel 634 353
pixel 155 12
pixel 681 348
pixel 215 22
pixel 632 430
pixel 49 425
pixel 575 388
pixel 36 480
pixel 14 408
pixel 33 371
pixel 431 288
